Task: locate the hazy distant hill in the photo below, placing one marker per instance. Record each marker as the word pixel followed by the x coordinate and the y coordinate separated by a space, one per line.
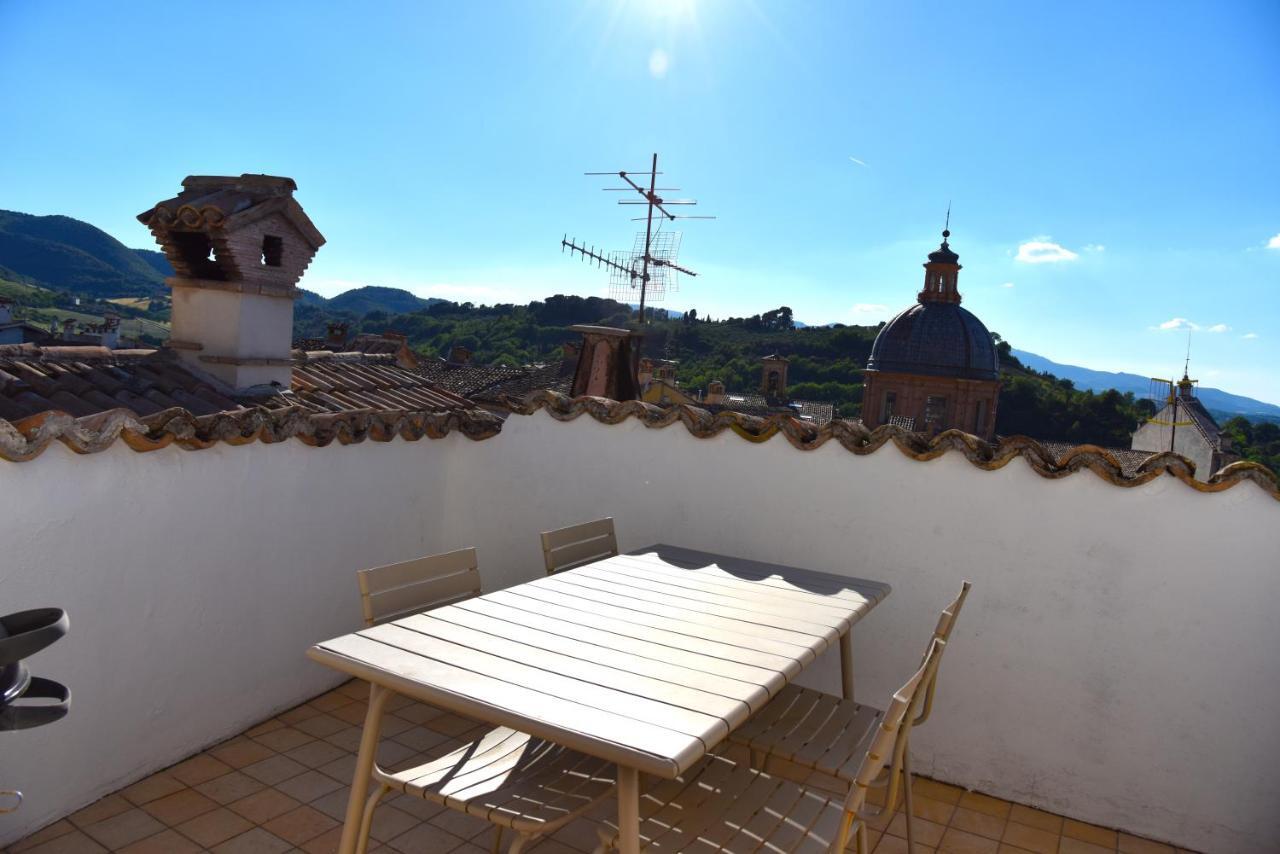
pixel 157 261
pixel 361 301
pixel 1219 402
pixel 66 254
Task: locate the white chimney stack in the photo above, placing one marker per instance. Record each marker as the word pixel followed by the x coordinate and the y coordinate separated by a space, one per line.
pixel 238 247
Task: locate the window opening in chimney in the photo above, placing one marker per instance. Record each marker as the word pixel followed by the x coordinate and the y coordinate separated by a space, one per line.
pixel 272 250
pixel 195 250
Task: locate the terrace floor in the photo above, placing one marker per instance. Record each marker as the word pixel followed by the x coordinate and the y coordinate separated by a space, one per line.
pixel 282 786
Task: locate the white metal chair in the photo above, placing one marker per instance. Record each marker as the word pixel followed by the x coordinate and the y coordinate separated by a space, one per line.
pixel 819 732
pixel 724 806
pixel 578 545
pixel 509 778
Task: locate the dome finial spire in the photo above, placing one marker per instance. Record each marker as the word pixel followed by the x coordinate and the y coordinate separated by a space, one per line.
pixel 946 229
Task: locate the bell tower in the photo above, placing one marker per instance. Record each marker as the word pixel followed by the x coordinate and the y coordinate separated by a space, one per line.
pixel 941 275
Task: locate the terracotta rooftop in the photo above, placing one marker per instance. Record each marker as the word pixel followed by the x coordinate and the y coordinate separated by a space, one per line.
pixel 754 404
pixel 495 382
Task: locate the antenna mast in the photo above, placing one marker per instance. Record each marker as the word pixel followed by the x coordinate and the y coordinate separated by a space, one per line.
pixel 651 268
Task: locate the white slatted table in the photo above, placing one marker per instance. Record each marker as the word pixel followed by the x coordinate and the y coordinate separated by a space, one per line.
pixel 647 659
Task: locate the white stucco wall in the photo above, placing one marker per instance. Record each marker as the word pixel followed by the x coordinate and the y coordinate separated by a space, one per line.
pixel 1115 661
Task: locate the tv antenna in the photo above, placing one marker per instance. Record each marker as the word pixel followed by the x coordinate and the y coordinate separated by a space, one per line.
pixel 650 267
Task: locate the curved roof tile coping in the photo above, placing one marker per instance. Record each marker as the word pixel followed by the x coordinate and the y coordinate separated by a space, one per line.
pixel 856 437
pixel 30 437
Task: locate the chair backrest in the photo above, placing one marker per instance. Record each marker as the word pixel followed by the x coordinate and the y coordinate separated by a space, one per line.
pixel 578 545
pixel 883 746
pixel 942 632
pixel 399 589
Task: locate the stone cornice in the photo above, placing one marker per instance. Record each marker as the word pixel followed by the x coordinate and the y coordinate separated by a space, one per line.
pixel 858 439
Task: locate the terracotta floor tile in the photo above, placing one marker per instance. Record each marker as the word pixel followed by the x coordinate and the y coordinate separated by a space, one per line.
pixel 230 787
pixel 264 727
pixel 198 769
pixel 1137 845
pixel 460 824
pixel 300 825
pixel 165 842
pixel 933 810
pixel 389 822
pixel 978 823
pixel 263 806
pixel 926 832
pixel 120 830
pixel 894 845
pixel 944 792
pixel 1038 819
pixel 352 714
pixel 150 788
pixel 391 752
pixel 1090 833
pixel 334 804
pixel 348 739
pixel 421 738
pixel 450 724
pixel 274 770
pixel 956 841
pixel 356 689
pixel 74 842
pixel 100 809
pixel 308 786
pixel 1006 848
pixel 417 713
pixel 316 753
pixel 985 804
pixel 342 770
pixel 1068 845
pixel 214 827
pixel 322 725
pixel 1030 838
pixel 330 701
pixel 325 843
pixel 241 753
pixel 425 837
pixel 283 739
pixel 256 841
pixel 45 834
pixel 299 713
pixel 180 806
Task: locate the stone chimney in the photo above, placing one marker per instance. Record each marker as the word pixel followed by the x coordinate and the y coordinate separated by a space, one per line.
pixel 238 247
pixel 336 335
pixel 111 330
pixel 6 310
pixel 571 349
pixel 607 364
pixel 68 328
pixel 645 375
pixel 459 355
pixel 715 393
pixel 773 377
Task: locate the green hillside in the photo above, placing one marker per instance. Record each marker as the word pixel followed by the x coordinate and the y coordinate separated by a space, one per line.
pixel 62 253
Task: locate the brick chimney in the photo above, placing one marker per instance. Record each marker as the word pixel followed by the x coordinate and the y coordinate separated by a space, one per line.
pixel 111 331
pixel 68 328
pixel 336 335
pixel 715 393
pixel 6 310
pixel 238 247
pixel 607 363
pixel 459 355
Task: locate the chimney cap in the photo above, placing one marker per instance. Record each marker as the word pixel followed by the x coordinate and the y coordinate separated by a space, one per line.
pixel 613 331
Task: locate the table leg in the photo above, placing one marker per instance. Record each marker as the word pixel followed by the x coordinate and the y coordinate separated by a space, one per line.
pixel 846 664
pixel 628 810
pixel 378 697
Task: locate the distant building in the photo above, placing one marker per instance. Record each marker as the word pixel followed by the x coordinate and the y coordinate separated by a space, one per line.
pixel 20 331
pixel 934 366
pixel 1185 427
pixel 658 385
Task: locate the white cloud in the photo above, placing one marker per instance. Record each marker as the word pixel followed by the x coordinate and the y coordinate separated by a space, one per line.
pixel 659 62
pixel 859 162
pixel 1178 324
pixel 1094 247
pixel 1219 327
pixel 1007 285
pixel 1249 336
pixel 1274 243
pixel 863 311
pixel 1042 250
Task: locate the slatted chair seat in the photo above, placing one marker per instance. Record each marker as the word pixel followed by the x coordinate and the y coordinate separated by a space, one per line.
pixel 819 732
pixel 510 779
pixel 724 806
pixel 812 729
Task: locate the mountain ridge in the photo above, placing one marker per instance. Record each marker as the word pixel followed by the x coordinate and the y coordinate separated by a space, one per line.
pixel 1219 402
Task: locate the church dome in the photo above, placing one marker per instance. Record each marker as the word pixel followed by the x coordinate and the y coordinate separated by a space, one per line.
pixel 938 339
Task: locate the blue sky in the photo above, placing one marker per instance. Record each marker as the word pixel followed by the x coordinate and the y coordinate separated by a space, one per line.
pixel 1112 167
